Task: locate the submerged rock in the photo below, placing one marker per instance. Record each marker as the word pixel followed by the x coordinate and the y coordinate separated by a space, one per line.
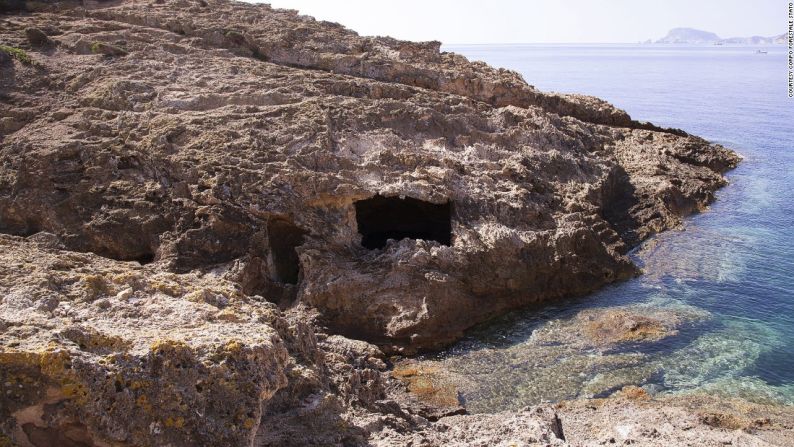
pixel 603 328
pixel 577 356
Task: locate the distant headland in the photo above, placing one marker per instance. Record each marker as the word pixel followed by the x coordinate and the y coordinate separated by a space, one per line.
pixel 695 36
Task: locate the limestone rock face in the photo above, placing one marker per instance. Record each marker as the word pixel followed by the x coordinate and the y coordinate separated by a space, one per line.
pixel 98 352
pixel 190 189
pixel 195 134
pixel 94 348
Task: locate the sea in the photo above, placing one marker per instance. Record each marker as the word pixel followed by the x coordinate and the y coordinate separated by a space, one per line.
pixel 726 276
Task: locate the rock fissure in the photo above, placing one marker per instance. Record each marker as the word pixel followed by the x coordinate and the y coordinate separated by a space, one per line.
pixel 285 238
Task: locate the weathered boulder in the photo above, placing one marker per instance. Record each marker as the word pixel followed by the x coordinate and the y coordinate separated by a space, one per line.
pixel 100 352
pixel 95 349
pixel 37 37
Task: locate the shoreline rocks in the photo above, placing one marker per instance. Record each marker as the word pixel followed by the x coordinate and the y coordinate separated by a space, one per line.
pixel 191 149
pixel 204 202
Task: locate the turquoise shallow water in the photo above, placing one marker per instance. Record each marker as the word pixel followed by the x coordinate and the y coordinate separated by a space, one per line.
pixel 731 269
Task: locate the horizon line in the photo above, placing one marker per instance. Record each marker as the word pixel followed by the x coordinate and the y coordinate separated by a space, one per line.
pixel 600 43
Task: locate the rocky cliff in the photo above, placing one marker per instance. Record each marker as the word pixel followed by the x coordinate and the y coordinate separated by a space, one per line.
pixel 698 37
pixel 201 200
pixel 689 35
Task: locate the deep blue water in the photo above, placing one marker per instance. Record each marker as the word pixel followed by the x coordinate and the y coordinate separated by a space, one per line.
pixel 733 264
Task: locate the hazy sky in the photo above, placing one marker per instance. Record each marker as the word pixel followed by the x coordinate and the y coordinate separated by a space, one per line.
pixel 527 21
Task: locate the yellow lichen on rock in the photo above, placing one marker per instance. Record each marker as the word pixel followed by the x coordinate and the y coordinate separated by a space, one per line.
pixel 96 286
pixel 177 422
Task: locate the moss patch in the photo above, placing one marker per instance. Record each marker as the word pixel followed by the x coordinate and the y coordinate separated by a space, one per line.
pixel 17 54
pixel 107 49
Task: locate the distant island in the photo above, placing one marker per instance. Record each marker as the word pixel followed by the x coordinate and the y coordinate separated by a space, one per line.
pixel 696 36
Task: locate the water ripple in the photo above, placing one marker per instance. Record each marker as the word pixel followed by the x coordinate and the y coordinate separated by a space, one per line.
pixel 730 271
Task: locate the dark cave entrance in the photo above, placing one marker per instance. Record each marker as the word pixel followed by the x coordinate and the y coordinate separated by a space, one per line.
pixel 22 229
pixel 284 237
pixel 382 218
pixel 145 258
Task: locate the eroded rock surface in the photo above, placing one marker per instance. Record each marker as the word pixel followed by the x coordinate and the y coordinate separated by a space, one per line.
pixel 194 194
pixel 125 354
pixel 182 131
pixel 631 417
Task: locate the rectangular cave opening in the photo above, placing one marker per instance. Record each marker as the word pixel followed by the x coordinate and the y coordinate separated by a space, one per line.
pixel 284 237
pixel 382 218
